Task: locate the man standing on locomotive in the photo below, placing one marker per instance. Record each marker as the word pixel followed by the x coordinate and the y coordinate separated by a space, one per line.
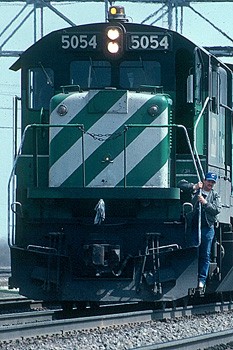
pixel 205 198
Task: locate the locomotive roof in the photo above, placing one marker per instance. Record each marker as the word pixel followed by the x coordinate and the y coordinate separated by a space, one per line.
pixel 39 51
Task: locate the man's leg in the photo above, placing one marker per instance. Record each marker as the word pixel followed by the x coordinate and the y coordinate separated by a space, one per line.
pixel 207 235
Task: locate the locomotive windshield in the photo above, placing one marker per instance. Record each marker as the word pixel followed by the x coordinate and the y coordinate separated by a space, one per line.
pixel 128 75
pixel 90 74
pixel 133 74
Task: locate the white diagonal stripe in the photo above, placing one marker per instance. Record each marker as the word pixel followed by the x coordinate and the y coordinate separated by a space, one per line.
pixel 159 179
pixel 147 140
pixel 73 110
pixel 107 124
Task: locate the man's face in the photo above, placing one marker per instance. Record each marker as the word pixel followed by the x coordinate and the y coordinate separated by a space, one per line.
pixel 208 185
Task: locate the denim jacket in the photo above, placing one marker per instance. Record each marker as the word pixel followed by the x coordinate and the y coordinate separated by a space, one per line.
pixel 213 206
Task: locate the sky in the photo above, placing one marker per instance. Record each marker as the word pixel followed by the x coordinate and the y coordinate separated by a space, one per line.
pixel 194 28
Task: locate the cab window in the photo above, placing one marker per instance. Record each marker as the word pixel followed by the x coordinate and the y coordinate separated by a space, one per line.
pixel 40 87
pixel 133 74
pixel 90 74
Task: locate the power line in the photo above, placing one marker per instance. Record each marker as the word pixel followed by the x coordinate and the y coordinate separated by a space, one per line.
pixel 34 5
pixel 211 23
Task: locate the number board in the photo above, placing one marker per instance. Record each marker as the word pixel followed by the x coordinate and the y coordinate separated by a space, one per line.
pixel 80 42
pixel 149 41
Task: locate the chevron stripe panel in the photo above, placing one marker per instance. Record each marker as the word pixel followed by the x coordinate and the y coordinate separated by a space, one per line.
pixel 102 153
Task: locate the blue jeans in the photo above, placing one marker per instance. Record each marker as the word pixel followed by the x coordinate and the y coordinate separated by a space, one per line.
pixel 207 235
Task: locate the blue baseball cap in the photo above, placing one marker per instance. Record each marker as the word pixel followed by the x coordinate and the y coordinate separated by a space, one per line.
pixel 211 176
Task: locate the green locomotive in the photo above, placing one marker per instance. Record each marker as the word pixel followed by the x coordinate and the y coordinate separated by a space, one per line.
pixel 114 115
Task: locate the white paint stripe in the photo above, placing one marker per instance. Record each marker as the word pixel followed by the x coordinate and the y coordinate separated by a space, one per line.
pixel 135 152
pixel 73 110
pixel 108 124
pixel 159 179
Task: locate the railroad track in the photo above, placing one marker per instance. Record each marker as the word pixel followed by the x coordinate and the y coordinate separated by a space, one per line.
pixel 199 342
pixel 44 323
pixel 47 322
pixel 18 304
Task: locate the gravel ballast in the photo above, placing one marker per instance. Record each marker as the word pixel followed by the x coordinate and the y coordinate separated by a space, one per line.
pixel 127 336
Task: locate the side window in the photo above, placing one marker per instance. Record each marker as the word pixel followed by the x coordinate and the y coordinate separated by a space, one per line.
pixel 217 132
pixel 198 83
pixel 222 102
pixel 215 92
pixel 222 86
pixel 198 77
pixel 40 87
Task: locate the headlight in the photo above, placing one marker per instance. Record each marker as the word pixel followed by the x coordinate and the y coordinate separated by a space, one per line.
pixel 113 41
pixel 113 34
pixel 113 47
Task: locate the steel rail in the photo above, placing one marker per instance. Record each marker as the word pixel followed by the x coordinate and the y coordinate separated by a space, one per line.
pixel 59 326
pixel 200 342
pixel 17 304
pixel 25 317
